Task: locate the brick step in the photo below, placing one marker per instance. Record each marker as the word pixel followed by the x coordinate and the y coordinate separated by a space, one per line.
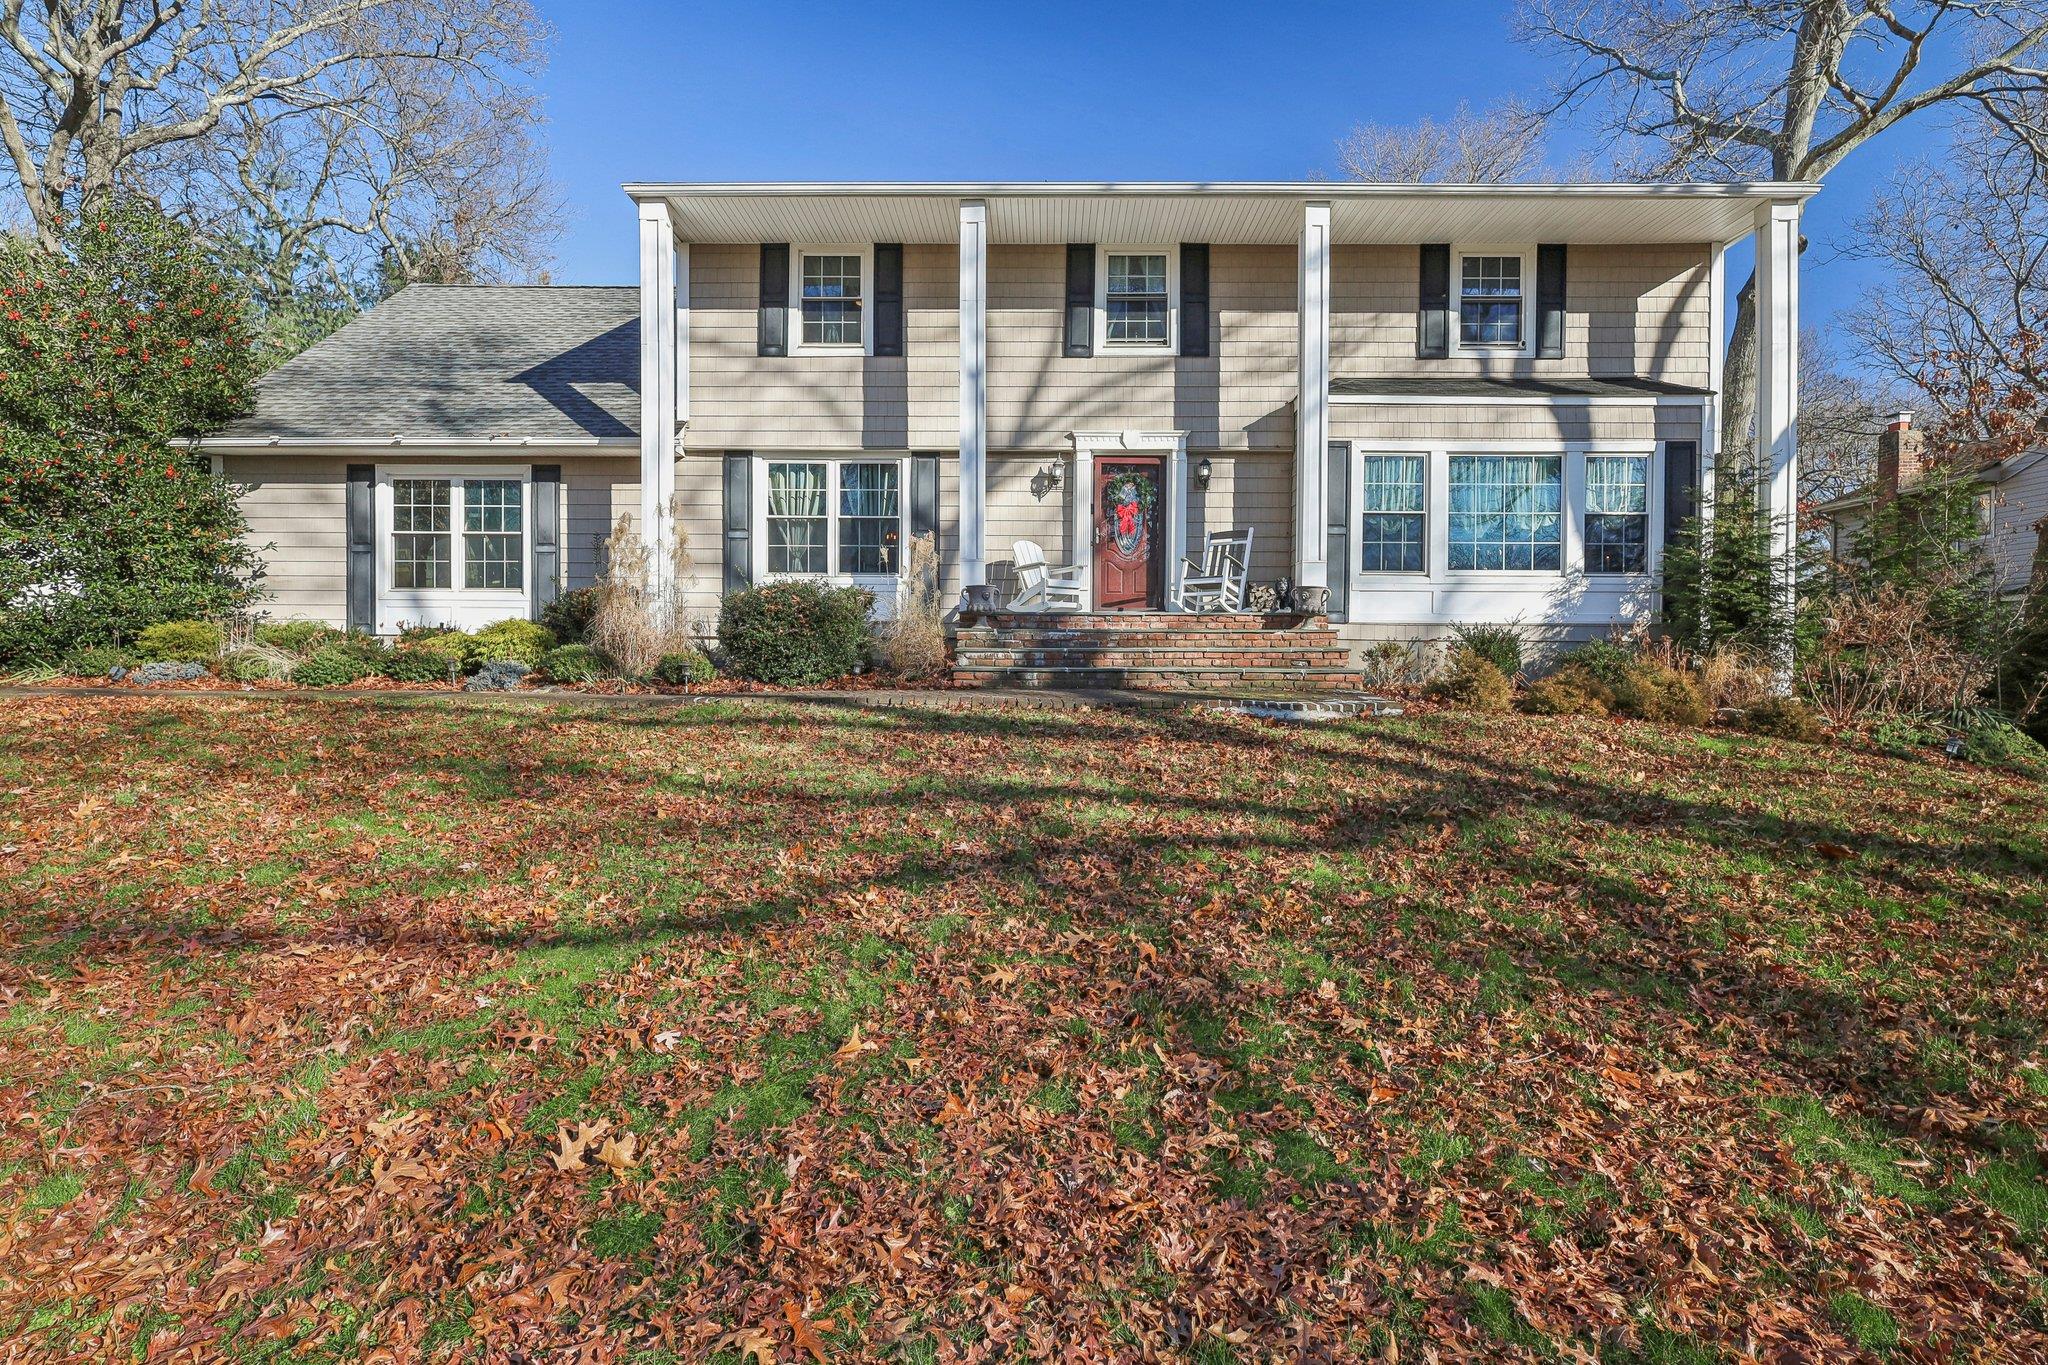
pixel 1165 679
pixel 1324 638
pixel 1022 656
pixel 1154 620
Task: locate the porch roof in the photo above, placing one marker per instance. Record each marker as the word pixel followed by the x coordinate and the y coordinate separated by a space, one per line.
pixel 1397 387
pixel 1228 212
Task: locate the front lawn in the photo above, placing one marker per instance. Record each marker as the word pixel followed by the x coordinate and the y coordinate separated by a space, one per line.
pixel 741 1030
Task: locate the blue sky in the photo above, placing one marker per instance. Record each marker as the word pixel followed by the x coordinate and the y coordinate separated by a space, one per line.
pixel 1041 90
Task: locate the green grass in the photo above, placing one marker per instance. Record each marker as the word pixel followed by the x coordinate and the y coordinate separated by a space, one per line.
pixel 1122 1013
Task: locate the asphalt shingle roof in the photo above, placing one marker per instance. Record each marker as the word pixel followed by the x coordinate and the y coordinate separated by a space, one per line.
pixel 465 362
pixel 1402 386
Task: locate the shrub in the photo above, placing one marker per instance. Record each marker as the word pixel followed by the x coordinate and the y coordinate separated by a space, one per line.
pixel 417 665
pixel 513 640
pixel 1475 683
pixel 796 632
pixel 332 666
pixel 443 649
pixel 913 644
pixel 1573 690
pixel 573 664
pixel 634 624
pixel 250 665
pixel 1784 718
pixel 1391 663
pixel 294 637
pixel 1731 679
pixel 686 668
pixel 1719 583
pixel 179 642
pixel 94 661
pixel 1609 661
pixel 109 522
pixel 1902 735
pixel 1499 645
pixel 570 614
pixel 1990 738
pixel 1659 692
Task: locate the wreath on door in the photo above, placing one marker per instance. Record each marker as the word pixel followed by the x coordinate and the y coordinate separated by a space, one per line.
pixel 1127 502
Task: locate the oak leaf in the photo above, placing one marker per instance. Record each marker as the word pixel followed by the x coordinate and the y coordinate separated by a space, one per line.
pixel 618 1151
pixel 804 1329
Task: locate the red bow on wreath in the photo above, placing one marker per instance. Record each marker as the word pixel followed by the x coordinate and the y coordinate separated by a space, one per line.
pixel 1127 519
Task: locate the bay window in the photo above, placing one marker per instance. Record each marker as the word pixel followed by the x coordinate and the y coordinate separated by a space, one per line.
pixel 1506 512
pixel 1617 513
pixel 832 516
pixel 1390 538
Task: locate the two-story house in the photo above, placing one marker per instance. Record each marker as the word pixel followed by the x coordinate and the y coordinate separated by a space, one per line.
pixel 1439 404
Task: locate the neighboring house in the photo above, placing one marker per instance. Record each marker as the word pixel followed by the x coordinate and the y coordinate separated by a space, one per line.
pixel 1440 404
pixel 2012 502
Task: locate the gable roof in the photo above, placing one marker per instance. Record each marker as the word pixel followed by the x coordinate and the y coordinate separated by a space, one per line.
pixel 463 363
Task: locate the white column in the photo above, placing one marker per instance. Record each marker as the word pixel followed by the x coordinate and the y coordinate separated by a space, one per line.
pixel 662 379
pixel 1176 520
pixel 973 392
pixel 1777 398
pixel 1717 354
pixel 1312 404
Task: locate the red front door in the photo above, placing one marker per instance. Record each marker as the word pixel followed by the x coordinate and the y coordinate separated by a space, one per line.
pixel 1127 530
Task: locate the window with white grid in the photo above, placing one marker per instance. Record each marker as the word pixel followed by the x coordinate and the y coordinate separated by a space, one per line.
pixel 831 299
pixel 1506 512
pixel 1390 534
pixel 421 534
pixel 1617 513
pixel 1135 302
pixel 1490 301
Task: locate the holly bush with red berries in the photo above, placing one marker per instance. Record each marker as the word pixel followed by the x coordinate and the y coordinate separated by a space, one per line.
pixel 116 350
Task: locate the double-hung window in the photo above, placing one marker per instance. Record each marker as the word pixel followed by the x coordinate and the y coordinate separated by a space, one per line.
pixel 424 534
pixel 1490 301
pixel 1506 512
pixel 834 516
pixel 1135 307
pixel 1617 513
pixel 830 289
pixel 1390 537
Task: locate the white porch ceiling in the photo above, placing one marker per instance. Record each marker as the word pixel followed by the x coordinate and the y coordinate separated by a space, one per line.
pixel 1222 212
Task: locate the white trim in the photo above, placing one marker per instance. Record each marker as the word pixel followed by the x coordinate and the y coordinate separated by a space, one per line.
pixel 1204 189
pixel 454 605
pixel 1312 399
pixel 1524 348
pixel 866 254
pixel 973 462
pixel 1777 402
pixel 1648 400
pixel 660 375
pixel 1173 446
pixel 1567 595
pixel 883 585
pixel 1103 345
pixel 576 444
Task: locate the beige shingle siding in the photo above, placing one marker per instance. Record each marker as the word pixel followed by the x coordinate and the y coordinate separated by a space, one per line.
pixel 1238 397
pixel 1367 422
pixel 2022 503
pixel 742 400
pixel 1639 310
pixel 1255 490
pixel 297 506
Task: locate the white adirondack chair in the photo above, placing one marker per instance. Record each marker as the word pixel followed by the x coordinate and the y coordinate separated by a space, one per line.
pixel 1217 581
pixel 1042 586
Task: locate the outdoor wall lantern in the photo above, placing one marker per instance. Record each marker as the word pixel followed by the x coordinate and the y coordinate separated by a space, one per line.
pixel 1203 469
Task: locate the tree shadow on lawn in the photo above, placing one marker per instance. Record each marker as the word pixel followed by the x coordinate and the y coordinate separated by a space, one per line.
pixel 1824 1038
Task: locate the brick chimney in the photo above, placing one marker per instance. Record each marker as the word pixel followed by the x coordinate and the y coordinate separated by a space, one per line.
pixel 1901 453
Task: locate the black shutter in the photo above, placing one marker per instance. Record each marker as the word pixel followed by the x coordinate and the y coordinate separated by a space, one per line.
pixel 888 298
pixel 924 497
pixel 774 338
pixel 547 535
pixel 1433 320
pixel 1337 516
pixel 362 548
pixel 1080 299
pixel 1194 298
pixel 1681 486
pixel 739 520
pixel 1550 301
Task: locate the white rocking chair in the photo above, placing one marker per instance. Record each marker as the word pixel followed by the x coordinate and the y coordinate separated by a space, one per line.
pixel 1218 580
pixel 1042 586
